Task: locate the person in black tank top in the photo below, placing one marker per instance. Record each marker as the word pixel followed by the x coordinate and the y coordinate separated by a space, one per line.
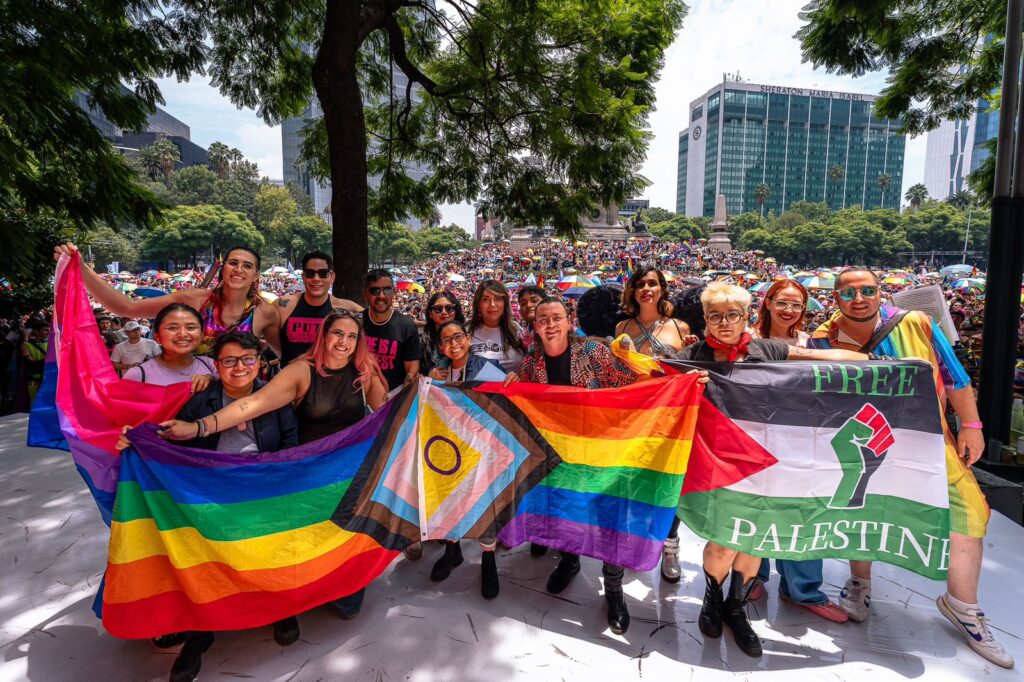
pixel 299 331
pixel 328 382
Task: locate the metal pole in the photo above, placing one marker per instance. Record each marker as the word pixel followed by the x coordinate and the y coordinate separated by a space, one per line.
pixel 967 235
pixel 1006 249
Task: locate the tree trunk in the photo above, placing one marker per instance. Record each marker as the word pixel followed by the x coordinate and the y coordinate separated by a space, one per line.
pixel 334 77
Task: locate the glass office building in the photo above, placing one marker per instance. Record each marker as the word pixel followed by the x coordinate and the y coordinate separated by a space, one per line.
pixel 742 135
pixel 955 149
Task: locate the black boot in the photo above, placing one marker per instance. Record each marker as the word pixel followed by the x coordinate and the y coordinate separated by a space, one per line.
pixel 286 631
pixel 190 658
pixel 169 641
pixel 710 619
pixel 563 573
pixel 538 550
pixel 488 575
pixel 734 614
pixel 451 558
pixel 618 615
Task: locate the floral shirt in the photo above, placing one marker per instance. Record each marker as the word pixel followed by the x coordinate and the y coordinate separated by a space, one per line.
pixel 591 365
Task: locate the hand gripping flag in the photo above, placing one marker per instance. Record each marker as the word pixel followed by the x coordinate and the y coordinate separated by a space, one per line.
pixel 798 460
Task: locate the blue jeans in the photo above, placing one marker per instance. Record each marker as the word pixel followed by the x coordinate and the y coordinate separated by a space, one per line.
pixel 350 605
pixel 798 580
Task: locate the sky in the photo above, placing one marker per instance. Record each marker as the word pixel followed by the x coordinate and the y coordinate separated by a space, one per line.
pixel 751 37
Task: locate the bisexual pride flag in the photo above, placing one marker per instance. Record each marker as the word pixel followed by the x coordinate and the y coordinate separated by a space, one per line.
pixel 811 460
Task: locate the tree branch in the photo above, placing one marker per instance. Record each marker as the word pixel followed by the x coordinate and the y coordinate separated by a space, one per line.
pixel 396 42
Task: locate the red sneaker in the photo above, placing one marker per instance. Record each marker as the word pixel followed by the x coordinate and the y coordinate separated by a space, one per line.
pixel 828 610
pixel 757 592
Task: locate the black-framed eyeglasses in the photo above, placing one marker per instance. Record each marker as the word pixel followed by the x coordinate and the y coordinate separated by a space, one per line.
pixel 731 317
pixel 310 273
pixel 438 309
pixel 232 360
pixel 381 291
pixel 458 337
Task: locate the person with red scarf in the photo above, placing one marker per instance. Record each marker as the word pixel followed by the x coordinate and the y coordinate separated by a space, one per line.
pixel 726 339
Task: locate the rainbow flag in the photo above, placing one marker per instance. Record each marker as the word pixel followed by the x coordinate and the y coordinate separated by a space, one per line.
pixel 207 540
pixel 82 403
pixel 630 267
pixel 623 451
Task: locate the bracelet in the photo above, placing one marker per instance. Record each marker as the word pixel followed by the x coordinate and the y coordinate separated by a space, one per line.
pixel 216 424
pixel 202 428
pixel 972 425
pixel 199 428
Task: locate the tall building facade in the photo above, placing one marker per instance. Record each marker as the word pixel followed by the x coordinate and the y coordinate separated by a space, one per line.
pixel 955 149
pixel 742 135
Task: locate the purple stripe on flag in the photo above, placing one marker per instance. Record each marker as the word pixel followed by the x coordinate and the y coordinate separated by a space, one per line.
pixel 607 544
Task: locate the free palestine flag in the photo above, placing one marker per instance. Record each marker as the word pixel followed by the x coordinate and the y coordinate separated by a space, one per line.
pixel 802 460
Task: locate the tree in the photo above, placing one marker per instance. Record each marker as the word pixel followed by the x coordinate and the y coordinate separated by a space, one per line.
pixel 835 174
pixel 538 109
pixel 56 60
pixel 961 199
pixel 195 185
pixel 274 212
pixel 884 182
pixel 303 202
pixel 761 194
pixel 937 65
pixel 191 231
pixel 811 210
pixel 916 194
pixel 307 233
pixel 658 215
pixel 220 156
pixel 108 246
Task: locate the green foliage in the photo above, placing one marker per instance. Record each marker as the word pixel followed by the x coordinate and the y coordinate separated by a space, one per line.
pixel 189 231
pixel 657 215
pixel 677 228
pixel 108 246
pixel 937 64
pixel 305 234
pixel 916 194
pixel 274 211
pixel 392 243
pixel 195 185
pixel 852 235
pixel 741 223
pixel 441 239
pixel 303 202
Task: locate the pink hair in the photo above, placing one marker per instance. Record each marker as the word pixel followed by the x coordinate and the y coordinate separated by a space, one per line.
pixel 365 362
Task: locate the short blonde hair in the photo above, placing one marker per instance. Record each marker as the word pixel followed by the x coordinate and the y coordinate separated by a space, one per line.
pixel 719 292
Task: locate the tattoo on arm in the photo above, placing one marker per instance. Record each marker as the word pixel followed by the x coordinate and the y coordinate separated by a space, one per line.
pixel 244 405
pixel 797 350
pixel 283 302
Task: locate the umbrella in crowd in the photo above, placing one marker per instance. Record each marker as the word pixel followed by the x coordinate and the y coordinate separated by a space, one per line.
pixel 149 292
pixel 959 269
pixel 761 287
pixel 409 285
pixel 455 277
pixel 817 282
pixel 969 283
pixel 575 281
pixel 814 304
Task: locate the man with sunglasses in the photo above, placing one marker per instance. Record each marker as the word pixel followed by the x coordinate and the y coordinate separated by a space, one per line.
pixel 391 336
pixel 303 314
pixel 864 324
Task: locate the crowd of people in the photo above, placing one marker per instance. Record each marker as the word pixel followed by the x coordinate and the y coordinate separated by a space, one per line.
pixel 272 372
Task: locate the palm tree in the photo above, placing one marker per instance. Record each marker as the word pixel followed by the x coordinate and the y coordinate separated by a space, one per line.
pixel 761 194
pixel 835 174
pixel 960 199
pixel 219 155
pixel 884 182
pixel 916 194
pixel 160 158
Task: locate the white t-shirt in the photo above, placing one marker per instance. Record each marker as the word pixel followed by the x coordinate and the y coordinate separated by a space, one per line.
pixel 128 353
pixel 487 343
pixel 153 372
pixel 800 340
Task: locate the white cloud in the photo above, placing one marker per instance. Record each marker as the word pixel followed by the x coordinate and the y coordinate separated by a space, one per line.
pixel 752 37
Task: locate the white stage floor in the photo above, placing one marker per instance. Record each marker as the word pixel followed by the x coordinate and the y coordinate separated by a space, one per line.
pixel 53 548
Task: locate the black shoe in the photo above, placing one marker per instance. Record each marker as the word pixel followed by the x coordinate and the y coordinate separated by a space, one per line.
pixel 451 558
pixel 563 574
pixel 286 631
pixel 488 575
pixel 538 550
pixel 168 641
pixel 190 659
pixel 710 619
pixel 734 615
pixel 618 615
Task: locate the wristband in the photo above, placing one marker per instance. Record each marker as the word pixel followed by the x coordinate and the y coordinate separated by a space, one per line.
pixel 972 425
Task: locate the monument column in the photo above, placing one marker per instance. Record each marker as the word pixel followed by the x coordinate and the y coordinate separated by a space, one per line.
pixel 720 227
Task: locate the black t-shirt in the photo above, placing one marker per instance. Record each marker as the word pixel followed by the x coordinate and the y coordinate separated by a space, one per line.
pixel 760 350
pixel 558 369
pixel 300 329
pixel 393 344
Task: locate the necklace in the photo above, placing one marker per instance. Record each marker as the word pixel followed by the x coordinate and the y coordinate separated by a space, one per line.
pixel 381 324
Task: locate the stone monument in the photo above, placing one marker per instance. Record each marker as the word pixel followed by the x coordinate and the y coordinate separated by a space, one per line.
pixel 720 227
pixel 603 224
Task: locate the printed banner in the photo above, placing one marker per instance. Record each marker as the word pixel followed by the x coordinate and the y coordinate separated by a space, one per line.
pixel 808 460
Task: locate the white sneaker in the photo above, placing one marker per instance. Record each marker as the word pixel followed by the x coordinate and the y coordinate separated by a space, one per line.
pixel 972 624
pixel 855 598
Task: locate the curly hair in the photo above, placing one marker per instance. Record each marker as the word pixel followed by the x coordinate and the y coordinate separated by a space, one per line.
pixel 598 311
pixel 690 310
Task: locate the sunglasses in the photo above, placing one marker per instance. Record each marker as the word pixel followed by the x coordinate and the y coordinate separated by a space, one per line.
pixel 381 291
pixel 850 293
pixel 310 273
pixel 232 360
pixel 438 309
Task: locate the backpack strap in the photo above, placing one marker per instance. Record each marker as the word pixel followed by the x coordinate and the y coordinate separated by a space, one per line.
pixel 882 332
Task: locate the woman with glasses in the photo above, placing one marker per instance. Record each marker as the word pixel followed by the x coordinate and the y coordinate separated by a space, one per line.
pixel 655 332
pixel 459 364
pixel 442 307
pixel 782 319
pixel 726 339
pixel 494 333
pixel 236 355
pixel 332 385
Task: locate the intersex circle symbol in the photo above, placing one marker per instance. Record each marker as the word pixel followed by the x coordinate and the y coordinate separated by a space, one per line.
pixel 433 467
